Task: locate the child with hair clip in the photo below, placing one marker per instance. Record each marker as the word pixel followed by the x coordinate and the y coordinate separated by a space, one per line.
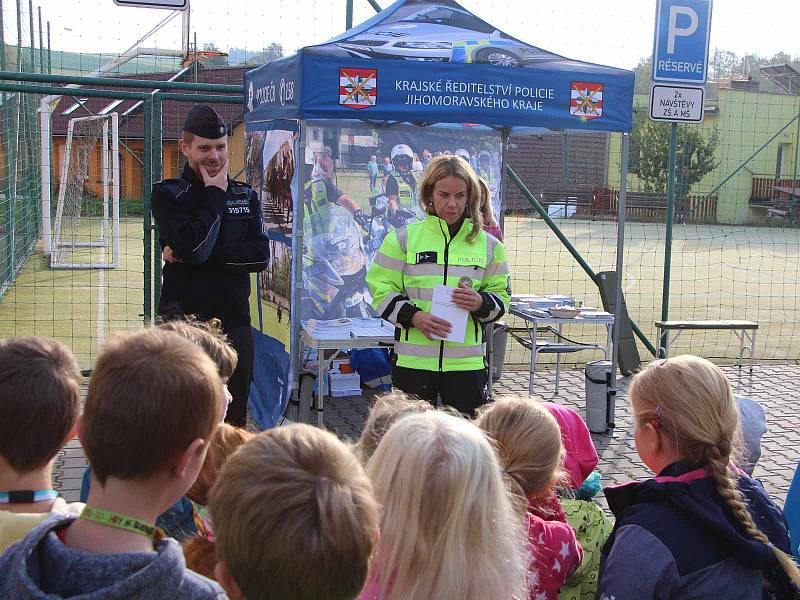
pixel 449 527
pixel 200 550
pixel 528 441
pixel 700 528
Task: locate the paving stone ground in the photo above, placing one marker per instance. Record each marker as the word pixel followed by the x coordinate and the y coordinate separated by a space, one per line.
pixel 775 386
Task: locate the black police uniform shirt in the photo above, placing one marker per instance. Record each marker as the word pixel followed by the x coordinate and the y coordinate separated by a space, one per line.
pixel 219 238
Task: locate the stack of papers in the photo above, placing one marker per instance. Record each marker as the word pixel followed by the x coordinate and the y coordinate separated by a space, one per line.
pixel 589 315
pixel 369 328
pixel 332 329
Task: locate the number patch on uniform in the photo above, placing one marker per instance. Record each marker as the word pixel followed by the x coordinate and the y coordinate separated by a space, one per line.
pixel 237 208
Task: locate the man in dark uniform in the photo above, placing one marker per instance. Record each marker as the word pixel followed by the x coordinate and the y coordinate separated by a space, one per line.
pixel 212 237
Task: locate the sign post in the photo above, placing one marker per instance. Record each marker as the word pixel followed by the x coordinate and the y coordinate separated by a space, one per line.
pixel 680 59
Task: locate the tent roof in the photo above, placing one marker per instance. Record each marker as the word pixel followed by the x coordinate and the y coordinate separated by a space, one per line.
pixel 432 61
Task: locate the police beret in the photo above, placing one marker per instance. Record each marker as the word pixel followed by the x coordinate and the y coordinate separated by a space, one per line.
pixel 204 121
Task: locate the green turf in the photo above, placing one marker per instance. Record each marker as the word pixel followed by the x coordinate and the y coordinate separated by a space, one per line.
pixel 717 272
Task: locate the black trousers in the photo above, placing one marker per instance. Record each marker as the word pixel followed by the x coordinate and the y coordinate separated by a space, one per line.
pixel 241 338
pixel 463 390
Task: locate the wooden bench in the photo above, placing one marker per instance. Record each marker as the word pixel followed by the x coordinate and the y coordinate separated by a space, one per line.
pixel 744 330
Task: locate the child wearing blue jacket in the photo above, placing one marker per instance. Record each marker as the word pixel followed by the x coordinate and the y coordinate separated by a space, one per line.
pixel 701 528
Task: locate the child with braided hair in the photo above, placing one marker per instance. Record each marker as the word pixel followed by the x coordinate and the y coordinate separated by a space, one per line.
pixel 701 528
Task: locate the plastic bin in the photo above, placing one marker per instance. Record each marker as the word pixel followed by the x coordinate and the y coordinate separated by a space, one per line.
pixel 499 342
pixel 597 380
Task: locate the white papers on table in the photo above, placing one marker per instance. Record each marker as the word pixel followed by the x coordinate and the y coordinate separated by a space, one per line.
pixel 332 329
pixel 367 328
pixel 594 315
pixel 444 308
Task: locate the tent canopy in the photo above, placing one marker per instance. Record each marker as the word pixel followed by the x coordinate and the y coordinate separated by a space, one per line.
pixel 424 62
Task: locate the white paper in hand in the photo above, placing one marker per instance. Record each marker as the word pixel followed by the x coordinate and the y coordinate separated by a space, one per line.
pixel 444 308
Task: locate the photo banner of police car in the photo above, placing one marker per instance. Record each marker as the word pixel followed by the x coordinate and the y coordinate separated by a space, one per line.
pixel 435 62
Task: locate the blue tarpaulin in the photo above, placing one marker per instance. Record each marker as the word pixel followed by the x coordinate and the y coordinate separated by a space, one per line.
pixel 434 62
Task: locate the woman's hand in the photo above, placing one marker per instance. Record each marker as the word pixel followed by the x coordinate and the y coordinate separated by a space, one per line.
pixel 467 298
pixel 431 327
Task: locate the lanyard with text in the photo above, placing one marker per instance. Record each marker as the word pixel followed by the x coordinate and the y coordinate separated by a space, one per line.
pixel 132 524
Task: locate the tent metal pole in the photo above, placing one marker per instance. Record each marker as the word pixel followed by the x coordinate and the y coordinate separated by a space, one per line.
pixel 348 15
pixel 375 5
pixel 623 192
pixel 297 274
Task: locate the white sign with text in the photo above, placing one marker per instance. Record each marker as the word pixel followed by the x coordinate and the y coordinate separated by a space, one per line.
pixel 676 104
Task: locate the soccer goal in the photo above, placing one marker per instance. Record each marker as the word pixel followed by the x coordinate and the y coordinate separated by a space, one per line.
pixel 86 231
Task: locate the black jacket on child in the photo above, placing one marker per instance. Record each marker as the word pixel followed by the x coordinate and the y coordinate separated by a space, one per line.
pixel 220 239
pixel 675 537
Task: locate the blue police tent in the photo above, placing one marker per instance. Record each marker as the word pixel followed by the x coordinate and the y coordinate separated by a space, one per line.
pixel 420 76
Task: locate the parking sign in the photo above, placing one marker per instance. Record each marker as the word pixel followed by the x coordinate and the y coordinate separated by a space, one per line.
pixel 680 47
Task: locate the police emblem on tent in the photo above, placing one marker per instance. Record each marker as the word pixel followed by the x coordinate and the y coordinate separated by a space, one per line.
pixel 358 88
pixel 586 100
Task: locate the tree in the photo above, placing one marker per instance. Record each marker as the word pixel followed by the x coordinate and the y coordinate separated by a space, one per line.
pixel 643 73
pixel 649 155
pixel 244 56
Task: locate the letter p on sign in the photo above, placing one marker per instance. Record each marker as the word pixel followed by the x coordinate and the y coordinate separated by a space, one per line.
pixel 675 31
pixel 680 46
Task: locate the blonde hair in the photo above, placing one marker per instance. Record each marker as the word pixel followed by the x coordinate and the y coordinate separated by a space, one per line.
pixel 449 527
pixel 453 166
pixel 294 516
pixel 699 413
pixel 210 337
pixel 486 204
pixel 387 409
pixel 528 441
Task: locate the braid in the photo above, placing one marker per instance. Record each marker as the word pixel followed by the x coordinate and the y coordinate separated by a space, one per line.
pixel 718 457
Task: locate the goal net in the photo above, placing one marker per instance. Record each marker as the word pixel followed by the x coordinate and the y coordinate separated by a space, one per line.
pixel 86 230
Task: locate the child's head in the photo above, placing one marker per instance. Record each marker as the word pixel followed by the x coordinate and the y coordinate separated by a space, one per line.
pixel 528 441
pixel 294 517
pixel 689 401
pixel 486 204
pixel 153 397
pixel 39 398
pixel 449 528
pixel 387 409
pixel 452 166
pixel 686 405
pixel 200 551
pixel 210 337
pixel 225 442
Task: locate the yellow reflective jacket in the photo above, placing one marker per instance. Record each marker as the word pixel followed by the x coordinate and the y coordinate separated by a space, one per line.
pixel 413 260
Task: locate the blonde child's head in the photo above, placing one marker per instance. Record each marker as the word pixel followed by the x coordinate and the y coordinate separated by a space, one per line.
pixel 294 516
pixel 528 441
pixel 387 409
pixel 449 528
pixel 688 401
pixel 453 166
